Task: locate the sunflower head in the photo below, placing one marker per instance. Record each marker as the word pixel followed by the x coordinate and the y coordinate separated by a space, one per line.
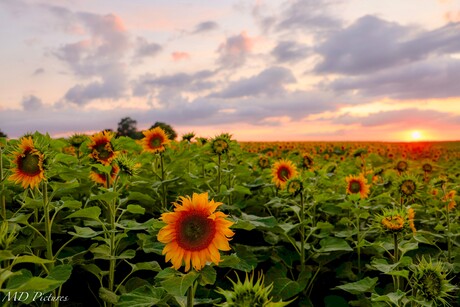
pixel 429 280
pixel 394 220
pixel 294 186
pixel 359 152
pixel 307 161
pixel 427 168
pixel 357 185
pixel 28 164
pixel 402 166
pixel 101 178
pixel 408 186
pixel 449 199
pixel 194 232
pixel 282 171
pixel 188 136
pixel 155 140
pixel 101 147
pixel 264 162
pixel 411 218
pixel 127 164
pixel 249 294
pixel 220 144
pixel 77 139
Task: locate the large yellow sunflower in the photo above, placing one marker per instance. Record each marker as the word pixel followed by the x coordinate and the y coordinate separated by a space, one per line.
pixel 194 232
pixel 101 147
pixel 282 171
pixel 29 165
pixel 154 140
pixel 357 184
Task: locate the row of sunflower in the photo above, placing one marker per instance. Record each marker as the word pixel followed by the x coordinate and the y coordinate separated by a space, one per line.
pixel 107 220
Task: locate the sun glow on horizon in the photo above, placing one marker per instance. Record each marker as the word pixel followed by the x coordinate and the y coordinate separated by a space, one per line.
pixel 416 135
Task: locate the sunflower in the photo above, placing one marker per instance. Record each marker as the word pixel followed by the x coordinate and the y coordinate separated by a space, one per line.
pixel 154 140
pixel 430 284
pixel 264 162
pixel 220 144
pixel 408 186
pixel 449 197
pixel 101 178
pixel 194 232
pixel 402 166
pixel 294 186
pixel 29 164
pixel 282 171
pixel 357 184
pixel 307 161
pixel 101 147
pixel 248 293
pixel 411 217
pixel 395 220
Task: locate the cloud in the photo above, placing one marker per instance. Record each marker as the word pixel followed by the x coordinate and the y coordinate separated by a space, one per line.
pixel 234 51
pixel 307 15
pixel 205 26
pixel 38 71
pixel 406 118
pixel 271 81
pixel 178 56
pixel 433 78
pixel 31 103
pixel 290 52
pixel 371 44
pixel 145 49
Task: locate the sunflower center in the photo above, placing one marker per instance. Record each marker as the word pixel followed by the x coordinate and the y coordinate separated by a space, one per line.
pixel 29 164
pixel 431 284
pixel 195 231
pixel 355 187
pixel 155 141
pixel 283 173
pixel 408 187
pixel 103 152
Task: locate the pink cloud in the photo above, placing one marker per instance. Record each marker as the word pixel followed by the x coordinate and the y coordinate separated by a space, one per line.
pixel 452 16
pixel 180 56
pixel 234 50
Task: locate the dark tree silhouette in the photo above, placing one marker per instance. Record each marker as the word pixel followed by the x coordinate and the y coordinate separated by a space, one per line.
pixel 127 127
pixel 2 135
pixel 170 132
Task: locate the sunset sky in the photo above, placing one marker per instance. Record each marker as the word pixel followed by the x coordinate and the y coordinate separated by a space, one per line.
pixel 260 70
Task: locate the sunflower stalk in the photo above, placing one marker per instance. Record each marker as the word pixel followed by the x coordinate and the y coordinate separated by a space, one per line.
pixel 302 233
pixel 358 238
pixel 191 294
pixel 449 242
pixel 163 184
pixel 2 197
pixel 396 259
pixel 219 172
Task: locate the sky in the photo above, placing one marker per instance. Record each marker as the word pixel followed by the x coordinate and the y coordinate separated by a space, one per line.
pixel 261 70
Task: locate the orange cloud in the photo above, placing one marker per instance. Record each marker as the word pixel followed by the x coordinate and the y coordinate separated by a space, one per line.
pixel 452 16
pixel 179 56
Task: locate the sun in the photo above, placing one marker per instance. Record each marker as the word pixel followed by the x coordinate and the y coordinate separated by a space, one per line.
pixel 416 135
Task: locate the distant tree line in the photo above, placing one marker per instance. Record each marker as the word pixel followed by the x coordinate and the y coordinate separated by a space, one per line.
pixel 128 127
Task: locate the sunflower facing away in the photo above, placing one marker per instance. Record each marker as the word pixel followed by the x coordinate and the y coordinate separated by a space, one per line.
pixel 282 171
pixel 195 232
pixel 101 147
pixel 154 140
pixel 357 184
pixel 29 165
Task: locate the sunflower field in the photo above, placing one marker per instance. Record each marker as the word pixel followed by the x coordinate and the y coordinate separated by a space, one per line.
pixel 110 221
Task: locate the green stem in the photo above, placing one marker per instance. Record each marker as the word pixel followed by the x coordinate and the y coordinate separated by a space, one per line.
pixel 49 242
pixel 449 243
pixel 358 243
pixel 219 174
pixel 302 233
pixel 3 201
pixel 190 295
pixel 396 258
pixel 163 185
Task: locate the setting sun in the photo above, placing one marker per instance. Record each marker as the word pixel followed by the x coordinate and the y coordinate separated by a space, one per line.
pixel 416 135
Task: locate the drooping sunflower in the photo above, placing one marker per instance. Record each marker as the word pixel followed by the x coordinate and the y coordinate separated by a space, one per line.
pixel 249 294
pixel 195 232
pixel 282 171
pixel 101 178
pixel 155 140
pixel 220 144
pixel 358 184
pixel 28 169
pixel 101 147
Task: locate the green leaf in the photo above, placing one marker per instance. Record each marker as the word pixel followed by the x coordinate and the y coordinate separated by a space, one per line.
pixel 145 266
pixel 33 203
pixel 179 285
pixel 84 232
pixel 145 296
pixel 393 297
pixel 364 285
pixel 285 288
pixel 106 196
pixel 135 209
pixel 208 276
pixel 408 246
pixel 331 244
pixel 90 213
pixel 31 259
pixel 258 221
pixel 108 296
